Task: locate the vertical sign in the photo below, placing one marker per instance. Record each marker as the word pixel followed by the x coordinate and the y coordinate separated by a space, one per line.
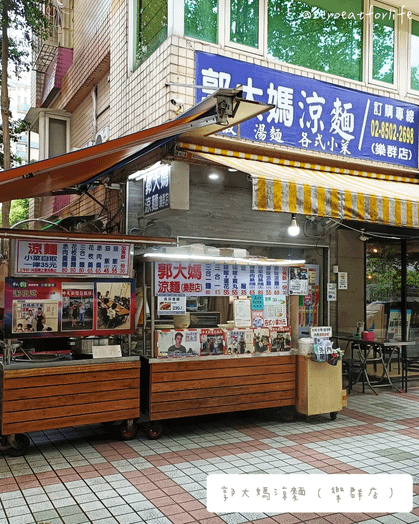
pixel 156 189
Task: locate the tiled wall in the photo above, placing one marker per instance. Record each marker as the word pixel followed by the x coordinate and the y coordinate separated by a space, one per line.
pixel 91 51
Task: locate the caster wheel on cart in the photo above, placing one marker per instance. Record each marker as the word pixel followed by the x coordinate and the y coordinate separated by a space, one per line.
pixel 333 415
pixel 19 445
pixel 126 432
pixel 154 430
pixel 287 414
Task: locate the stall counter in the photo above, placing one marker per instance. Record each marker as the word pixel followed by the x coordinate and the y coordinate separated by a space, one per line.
pixel 184 387
pixel 37 397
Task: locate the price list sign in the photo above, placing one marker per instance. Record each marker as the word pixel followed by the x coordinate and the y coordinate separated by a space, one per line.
pixel 38 257
pixel 192 279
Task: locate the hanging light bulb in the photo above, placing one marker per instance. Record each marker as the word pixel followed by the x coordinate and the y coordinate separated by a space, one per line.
pixel 293 229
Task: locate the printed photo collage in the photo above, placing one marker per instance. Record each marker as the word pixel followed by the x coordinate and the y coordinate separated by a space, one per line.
pixel 62 307
pixel 220 341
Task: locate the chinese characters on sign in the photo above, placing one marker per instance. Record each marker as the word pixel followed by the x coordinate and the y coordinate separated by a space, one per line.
pixel 219 279
pixel 38 257
pixel 315 115
pixel 171 305
pixel 64 307
pixel 156 190
pixel 309 493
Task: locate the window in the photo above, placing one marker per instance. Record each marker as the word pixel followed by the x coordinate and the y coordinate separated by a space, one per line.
pixel 151 27
pixel 414 55
pixel 383 45
pixel 317 34
pixel 201 20
pixel 352 39
pixel 244 22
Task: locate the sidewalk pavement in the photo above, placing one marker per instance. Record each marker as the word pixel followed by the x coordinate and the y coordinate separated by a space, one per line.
pixel 85 475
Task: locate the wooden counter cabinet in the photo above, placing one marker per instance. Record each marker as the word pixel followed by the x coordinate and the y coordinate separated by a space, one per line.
pixel 51 397
pixel 174 388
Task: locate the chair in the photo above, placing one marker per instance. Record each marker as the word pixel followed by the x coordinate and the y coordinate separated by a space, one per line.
pixel 409 364
pixel 352 369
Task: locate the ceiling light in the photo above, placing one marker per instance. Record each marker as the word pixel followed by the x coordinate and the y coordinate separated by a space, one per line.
pixel 363 237
pixel 250 261
pixel 213 176
pixel 293 229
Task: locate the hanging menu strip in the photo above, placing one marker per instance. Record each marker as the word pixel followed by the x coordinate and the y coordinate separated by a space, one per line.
pixel 39 257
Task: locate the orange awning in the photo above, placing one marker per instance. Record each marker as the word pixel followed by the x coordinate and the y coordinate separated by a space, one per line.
pixel 76 167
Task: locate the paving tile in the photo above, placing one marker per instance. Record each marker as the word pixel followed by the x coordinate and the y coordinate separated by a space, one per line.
pixel 22 519
pixel 122 509
pixel 78 518
pixel 168 485
pixel 129 518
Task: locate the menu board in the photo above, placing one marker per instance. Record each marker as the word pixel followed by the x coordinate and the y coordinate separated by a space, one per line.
pixel 51 257
pixel 192 279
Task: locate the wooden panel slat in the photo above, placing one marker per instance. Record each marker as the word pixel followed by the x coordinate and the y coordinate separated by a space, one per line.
pixel 19 382
pixel 67 370
pixel 66 422
pixel 39 392
pixel 195 363
pixel 187 405
pixel 226 391
pixel 222 409
pixel 219 373
pixel 219 382
pixel 67 400
pixel 67 411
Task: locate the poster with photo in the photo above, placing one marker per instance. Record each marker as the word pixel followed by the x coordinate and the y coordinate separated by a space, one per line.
pixel 280 339
pixel 239 341
pixel 261 340
pixel 31 307
pixel 297 281
pixel 212 342
pixel 77 306
pixel 114 299
pixel 38 316
pixel 177 343
pixel 257 318
pixel 53 307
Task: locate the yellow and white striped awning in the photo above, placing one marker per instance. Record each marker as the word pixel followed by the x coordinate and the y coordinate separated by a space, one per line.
pixel 366 197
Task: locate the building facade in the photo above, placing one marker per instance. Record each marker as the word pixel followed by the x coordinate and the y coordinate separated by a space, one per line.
pixel 118 66
pixel 20 99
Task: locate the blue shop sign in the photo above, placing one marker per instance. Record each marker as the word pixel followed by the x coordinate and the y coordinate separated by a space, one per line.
pixel 314 115
pixel 156 189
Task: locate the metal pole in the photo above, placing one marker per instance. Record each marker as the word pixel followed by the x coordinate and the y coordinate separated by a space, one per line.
pixel 152 290
pixel 403 291
pixel 144 310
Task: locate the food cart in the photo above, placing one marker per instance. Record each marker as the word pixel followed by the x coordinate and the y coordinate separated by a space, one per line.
pixel 66 294
pixel 245 364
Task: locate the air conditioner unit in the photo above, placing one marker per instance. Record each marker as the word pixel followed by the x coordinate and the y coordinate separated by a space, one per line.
pixel 103 135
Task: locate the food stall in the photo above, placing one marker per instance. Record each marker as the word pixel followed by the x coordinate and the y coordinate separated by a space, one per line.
pixel 69 304
pixel 245 363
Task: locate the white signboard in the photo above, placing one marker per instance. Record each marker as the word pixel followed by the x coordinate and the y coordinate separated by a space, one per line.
pixel 342 280
pixel 194 279
pixel 171 304
pixel 331 292
pixel 51 257
pixel 242 313
pixel 275 311
pixel 298 281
